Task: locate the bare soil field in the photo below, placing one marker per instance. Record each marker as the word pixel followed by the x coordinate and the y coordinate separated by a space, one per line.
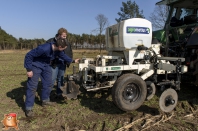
pixel 91 111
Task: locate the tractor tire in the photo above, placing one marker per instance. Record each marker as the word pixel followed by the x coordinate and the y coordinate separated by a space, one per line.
pixel 129 92
pixel 151 90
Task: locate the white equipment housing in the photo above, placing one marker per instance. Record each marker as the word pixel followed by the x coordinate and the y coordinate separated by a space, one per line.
pixel 123 41
pixel 128 34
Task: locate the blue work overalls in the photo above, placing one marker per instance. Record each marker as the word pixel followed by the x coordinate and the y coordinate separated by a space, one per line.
pixel 38 61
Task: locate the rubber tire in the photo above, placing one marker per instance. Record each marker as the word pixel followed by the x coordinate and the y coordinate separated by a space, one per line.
pixel 152 85
pixel 118 89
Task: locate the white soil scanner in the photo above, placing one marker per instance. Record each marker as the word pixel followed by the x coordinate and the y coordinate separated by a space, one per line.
pixel 133 69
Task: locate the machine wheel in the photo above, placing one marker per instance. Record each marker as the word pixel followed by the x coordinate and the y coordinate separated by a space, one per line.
pixel 168 100
pixel 129 92
pixel 151 89
pixel 70 92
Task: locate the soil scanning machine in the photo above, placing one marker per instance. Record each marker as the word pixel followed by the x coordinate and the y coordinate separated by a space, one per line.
pixel 132 68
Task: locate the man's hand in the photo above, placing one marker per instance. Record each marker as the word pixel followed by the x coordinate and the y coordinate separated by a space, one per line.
pixel 77 60
pixel 29 74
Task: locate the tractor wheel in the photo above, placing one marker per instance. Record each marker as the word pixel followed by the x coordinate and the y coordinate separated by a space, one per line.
pixel 151 89
pixel 129 92
pixel 168 100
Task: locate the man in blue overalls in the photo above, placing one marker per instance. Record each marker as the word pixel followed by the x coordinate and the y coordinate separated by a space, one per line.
pixel 37 64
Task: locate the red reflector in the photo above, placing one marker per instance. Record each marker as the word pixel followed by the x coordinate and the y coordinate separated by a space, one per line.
pixel 187 63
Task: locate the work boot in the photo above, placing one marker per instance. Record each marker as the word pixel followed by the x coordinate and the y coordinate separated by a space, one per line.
pixel 48 103
pixel 29 113
pixel 60 97
pixel 53 97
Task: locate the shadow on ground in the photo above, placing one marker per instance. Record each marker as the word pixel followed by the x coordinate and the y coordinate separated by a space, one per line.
pixel 102 104
pixel 19 95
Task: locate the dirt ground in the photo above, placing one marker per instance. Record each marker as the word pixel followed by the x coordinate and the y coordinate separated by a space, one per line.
pixel 91 111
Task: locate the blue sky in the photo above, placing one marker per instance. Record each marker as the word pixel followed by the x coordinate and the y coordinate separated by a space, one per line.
pixel 42 18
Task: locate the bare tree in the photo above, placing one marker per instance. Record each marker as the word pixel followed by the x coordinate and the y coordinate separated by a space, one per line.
pixel 103 23
pixel 159 16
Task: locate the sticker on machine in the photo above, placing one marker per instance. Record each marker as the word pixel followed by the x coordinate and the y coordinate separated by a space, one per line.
pixel 137 30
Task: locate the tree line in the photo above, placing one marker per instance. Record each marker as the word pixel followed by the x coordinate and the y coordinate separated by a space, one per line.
pixel 128 10
pixel 7 41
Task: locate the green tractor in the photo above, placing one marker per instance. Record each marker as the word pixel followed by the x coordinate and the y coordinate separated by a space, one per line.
pixel 180 34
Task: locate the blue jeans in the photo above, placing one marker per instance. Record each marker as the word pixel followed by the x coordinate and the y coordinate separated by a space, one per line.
pixel 32 83
pixel 58 74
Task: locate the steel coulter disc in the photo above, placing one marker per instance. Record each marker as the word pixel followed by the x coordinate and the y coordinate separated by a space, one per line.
pixel 70 92
pixel 168 100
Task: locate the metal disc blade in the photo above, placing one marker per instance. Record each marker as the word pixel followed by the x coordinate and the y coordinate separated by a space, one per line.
pixel 70 92
pixel 168 100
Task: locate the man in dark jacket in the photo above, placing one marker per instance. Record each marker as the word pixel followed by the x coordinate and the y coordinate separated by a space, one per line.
pixel 58 65
pixel 37 64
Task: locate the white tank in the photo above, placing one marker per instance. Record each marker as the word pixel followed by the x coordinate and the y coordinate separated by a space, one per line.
pixel 128 34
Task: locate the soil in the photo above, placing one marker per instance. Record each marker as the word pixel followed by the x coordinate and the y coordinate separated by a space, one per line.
pixel 101 111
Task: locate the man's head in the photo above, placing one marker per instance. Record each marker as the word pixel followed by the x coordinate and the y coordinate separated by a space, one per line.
pixel 61 44
pixel 62 32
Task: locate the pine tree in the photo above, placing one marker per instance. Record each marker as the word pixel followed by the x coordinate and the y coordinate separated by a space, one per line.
pixel 129 10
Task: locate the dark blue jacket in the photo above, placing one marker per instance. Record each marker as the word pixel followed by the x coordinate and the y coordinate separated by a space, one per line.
pixel 42 55
pixel 68 51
